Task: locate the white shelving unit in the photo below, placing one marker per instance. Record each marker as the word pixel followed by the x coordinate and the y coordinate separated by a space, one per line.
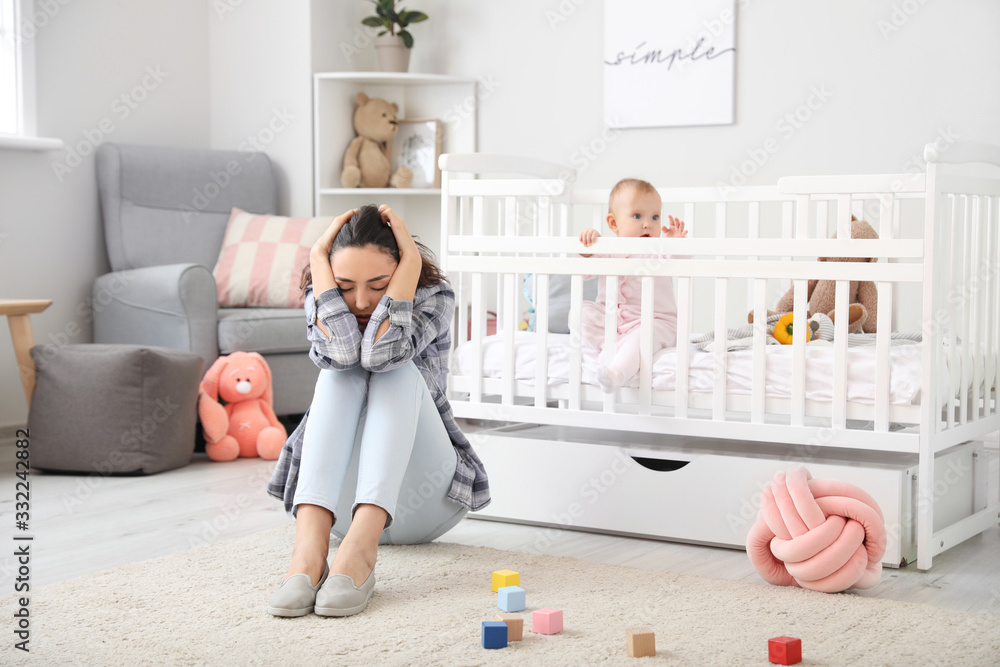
pixel 452 100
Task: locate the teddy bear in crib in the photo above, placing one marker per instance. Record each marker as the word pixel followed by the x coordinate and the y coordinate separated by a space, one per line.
pixel 862 295
pixel 246 426
pixel 366 161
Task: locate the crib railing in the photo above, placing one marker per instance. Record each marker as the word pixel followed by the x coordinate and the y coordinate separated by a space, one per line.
pixel 491 256
pixel 497 230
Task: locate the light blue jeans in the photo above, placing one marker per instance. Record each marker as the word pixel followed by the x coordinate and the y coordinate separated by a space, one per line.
pixel 378 438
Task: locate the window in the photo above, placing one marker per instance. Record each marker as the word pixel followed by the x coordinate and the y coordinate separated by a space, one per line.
pixel 11 98
pixel 18 26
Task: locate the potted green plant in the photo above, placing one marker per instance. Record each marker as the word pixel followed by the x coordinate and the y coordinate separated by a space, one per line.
pixel 394 41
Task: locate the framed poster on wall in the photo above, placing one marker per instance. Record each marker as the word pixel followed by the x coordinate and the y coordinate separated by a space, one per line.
pixel 669 63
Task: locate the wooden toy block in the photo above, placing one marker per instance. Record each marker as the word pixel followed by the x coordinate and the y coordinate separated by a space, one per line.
pixel 494 634
pixel 515 626
pixel 511 598
pixel 547 621
pixel 784 650
pixel 640 642
pixel 503 578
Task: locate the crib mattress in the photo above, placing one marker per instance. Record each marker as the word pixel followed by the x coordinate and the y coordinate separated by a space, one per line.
pixel 904 375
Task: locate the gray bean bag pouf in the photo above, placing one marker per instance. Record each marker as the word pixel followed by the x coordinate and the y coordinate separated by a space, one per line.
pixel 113 408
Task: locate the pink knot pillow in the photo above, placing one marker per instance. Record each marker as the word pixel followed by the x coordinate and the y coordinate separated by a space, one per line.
pixel 821 534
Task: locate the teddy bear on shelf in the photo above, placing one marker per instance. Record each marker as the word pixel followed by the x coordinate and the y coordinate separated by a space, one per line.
pixel 246 426
pixel 366 161
pixel 862 294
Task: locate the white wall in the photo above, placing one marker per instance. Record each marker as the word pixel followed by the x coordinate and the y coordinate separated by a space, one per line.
pixel 263 56
pixel 339 42
pixel 261 90
pixel 889 95
pixel 88 55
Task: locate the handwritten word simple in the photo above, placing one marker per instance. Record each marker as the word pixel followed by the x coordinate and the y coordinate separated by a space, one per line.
pixel 641 56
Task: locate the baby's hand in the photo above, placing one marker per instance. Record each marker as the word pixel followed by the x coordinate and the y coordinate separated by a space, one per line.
pixel 675 230
pixel 589 236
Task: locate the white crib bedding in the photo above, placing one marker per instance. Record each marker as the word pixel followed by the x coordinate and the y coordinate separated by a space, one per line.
pixel 904 381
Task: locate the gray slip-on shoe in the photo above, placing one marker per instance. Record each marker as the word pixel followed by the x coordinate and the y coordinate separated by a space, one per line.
pixel 340 597
pixel 295 596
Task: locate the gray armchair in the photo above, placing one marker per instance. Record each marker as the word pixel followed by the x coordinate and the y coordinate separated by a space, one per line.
pixel 165 212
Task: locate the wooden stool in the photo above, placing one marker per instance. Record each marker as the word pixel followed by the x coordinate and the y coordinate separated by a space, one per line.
pixel 17 312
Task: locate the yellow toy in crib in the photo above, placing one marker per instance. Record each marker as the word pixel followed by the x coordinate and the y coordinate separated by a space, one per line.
pixel 783 330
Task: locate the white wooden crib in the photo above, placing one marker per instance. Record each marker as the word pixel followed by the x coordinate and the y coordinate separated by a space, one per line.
pixel 684 454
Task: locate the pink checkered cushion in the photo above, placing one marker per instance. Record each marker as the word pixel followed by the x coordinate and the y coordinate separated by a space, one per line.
pixel 262 258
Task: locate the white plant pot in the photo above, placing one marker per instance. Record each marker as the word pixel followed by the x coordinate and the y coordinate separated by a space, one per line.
pixel 393 56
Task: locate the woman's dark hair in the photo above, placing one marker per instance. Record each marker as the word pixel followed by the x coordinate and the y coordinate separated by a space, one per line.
pixel 366 228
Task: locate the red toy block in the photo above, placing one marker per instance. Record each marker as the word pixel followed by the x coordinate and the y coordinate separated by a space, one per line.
pixel 547 621
pixel 784 650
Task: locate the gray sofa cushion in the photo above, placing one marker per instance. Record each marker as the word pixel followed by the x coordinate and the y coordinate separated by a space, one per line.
pixel 113 408
pixel 264 330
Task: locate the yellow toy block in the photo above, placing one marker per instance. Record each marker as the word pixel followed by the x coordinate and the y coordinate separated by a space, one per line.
pixel 515 626
pixel 503 578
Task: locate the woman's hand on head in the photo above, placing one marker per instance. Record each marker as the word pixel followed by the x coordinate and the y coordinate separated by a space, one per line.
pixel 319 256
pixel 324 244
pixel 403 283
pixel 409 254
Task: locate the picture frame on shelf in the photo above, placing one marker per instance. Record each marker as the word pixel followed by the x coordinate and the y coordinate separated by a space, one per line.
pixel 417 145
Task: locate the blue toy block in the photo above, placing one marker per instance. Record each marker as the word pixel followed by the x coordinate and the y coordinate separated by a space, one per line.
pixel 511 598
pixel 494 634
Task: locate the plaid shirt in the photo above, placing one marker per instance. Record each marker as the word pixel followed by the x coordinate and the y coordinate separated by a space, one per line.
pixel 419 330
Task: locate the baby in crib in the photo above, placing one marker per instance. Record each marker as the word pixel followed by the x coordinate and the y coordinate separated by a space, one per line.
pixel 633 211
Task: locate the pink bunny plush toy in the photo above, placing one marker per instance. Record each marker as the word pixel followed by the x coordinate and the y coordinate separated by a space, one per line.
pixel 246 425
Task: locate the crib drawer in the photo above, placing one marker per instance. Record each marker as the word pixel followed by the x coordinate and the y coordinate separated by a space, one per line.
pixel 707 498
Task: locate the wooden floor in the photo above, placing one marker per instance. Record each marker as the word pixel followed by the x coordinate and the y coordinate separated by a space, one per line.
pixel 84 524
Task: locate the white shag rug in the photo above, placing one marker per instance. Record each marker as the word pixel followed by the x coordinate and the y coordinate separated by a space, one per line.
pixel 206 606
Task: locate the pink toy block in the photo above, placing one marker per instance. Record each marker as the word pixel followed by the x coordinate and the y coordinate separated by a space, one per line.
pixel 547 621
pixel 784 650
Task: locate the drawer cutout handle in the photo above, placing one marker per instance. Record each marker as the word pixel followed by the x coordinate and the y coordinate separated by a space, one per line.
pixel 659 465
